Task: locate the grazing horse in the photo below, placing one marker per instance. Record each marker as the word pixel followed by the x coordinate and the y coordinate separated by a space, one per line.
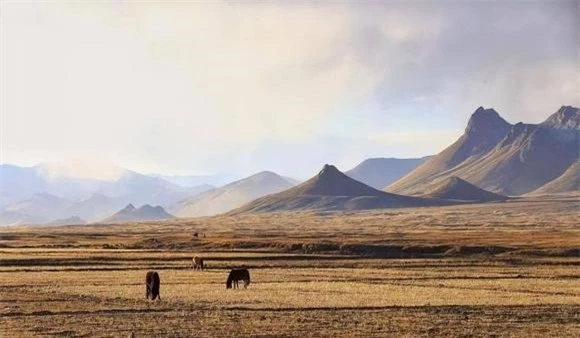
pixel 152 283
pixel 197 263
pixel 237 275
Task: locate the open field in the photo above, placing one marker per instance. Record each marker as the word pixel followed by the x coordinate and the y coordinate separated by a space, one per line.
pixel 505 269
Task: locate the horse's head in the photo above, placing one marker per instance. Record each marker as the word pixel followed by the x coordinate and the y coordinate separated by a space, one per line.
pixel 229 283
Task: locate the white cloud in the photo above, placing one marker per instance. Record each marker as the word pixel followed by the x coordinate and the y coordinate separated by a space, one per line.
pixel 181 86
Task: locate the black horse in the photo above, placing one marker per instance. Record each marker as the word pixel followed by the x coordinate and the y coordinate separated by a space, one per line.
pixel 152 283
pixel 237 275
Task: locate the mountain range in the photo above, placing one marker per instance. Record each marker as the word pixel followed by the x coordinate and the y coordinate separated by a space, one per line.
pixel 33 195
pixel 493 159
pixel 504 158
pixel 331 190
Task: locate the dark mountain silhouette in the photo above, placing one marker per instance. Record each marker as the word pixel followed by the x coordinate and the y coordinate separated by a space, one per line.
pixel 454 188
pixel 231 196
pixel 144 213
pixel 332 190
pixel 380 172
pixel 502 158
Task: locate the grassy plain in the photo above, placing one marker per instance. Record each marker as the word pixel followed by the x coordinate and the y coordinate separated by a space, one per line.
pixel 502 269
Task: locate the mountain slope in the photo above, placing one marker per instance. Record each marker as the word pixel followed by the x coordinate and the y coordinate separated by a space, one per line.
pixel 380 172
pixel 231 196
pixel 569 181
pixel 502 158
pixel 144 213
pixel 41 206
pixel 187 181
pixel 454 188
pixel 332 190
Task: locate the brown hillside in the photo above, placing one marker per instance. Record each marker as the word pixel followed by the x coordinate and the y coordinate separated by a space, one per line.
pixel 454 188
pixel 332 190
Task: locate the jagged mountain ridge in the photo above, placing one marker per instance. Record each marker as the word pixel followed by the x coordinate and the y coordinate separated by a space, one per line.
pixel 506 159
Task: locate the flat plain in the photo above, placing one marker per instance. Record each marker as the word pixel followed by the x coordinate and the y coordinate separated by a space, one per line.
pixel 498 269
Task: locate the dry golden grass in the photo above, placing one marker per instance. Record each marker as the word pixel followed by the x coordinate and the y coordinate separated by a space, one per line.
pixel 67 281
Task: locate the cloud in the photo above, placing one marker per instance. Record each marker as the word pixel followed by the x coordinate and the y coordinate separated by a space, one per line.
pixel 204 87
pixel 521 58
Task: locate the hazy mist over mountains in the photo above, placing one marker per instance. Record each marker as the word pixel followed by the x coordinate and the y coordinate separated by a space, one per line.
pixel 231 196
pixel 491 160
pixel 199 108
pixel 29 193
pixel 237 88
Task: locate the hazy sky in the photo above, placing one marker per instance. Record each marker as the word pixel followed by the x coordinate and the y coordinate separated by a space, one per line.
pixel 192 87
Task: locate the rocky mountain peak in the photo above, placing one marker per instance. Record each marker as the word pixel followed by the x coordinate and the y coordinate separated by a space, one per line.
pixel 329 171
pixel 567 117
pixel 486 121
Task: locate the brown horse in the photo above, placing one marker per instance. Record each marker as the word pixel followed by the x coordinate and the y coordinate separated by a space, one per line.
pixel 237 275
pixel 197 263
pixel 152 284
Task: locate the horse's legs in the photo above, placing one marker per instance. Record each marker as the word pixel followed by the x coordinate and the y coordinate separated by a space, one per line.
pixel 147 291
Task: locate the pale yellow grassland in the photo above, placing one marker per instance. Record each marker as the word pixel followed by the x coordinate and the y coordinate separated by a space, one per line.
pixel 88 281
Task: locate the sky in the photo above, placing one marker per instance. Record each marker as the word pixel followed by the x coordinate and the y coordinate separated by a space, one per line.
pixel 186 87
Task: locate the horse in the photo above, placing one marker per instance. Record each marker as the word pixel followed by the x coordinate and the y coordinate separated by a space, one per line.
pixel 237 275
pixel 197 263
pixel 152 284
